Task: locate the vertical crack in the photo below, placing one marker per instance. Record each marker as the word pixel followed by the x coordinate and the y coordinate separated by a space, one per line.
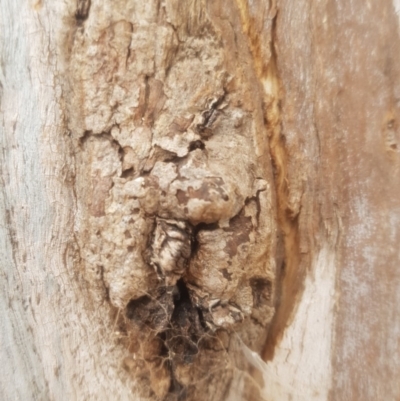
pixel 82 11
pixel 289 277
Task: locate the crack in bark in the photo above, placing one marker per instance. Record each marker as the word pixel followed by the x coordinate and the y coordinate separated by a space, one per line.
pixel 289 285
pixel 82 11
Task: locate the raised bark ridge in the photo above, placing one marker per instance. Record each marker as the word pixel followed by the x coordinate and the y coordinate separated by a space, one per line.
pixel 176 221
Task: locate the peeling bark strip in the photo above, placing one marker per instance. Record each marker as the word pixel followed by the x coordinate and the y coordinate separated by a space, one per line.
pixel 177 224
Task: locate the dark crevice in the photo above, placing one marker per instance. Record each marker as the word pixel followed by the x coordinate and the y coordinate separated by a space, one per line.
pixel 200 227
pixel 205 227
pixel 128 52
pixel 176 391
pixel 202 319
pixel 103 135
pixel 164 351
pixel 86 135
pixel 181 338
pixel 135 305
pixel 82 11
pixel 210 116
pixel 261 289
pixel 163 155
pixel 146 98
pixel 256 199
pixel 151 311
pixel 121 152
pixel 196 145
pixel 158 270
pixel 181 297
pixel 129 173
pixel 185 328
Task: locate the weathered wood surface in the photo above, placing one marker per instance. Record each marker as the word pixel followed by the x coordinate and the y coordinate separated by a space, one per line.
pixel 53 344
pixel 321 82
pixel 339 66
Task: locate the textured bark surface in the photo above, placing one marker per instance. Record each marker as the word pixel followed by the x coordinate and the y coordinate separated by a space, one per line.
pixel 54 342
pixel 174 184
pixel 188 185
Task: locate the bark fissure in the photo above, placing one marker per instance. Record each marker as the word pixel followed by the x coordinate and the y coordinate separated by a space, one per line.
pixel 289 276
pixel 290 280
pixel 82 11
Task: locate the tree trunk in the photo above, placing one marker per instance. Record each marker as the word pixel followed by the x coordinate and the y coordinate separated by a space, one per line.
pixel 200 200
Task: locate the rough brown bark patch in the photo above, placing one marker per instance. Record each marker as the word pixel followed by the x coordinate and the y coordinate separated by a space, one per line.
pixel 177 217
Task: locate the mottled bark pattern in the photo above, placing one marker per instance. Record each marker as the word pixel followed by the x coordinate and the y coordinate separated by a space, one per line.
pixel 176 221
pixel 135 147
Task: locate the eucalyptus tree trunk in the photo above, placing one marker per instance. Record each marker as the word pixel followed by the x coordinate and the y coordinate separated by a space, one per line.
pixel 200 200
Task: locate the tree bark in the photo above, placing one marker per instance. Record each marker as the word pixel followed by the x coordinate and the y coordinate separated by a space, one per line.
pixel 200 200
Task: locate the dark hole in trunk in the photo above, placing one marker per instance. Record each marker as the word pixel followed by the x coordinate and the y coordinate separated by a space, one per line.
pixel 261 289
pixel 196 145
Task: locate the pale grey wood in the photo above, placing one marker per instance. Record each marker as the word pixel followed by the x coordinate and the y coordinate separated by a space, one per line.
pixel 52 344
